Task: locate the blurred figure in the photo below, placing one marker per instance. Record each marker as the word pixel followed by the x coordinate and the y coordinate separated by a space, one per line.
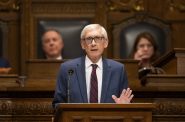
pixel 52 44
pixel 145 50
pixel 4 66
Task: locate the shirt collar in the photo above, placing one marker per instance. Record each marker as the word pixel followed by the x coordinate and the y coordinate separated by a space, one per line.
pixel 57 58
pixel 88 62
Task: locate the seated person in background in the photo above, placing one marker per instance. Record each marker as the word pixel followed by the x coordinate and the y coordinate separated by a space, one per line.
pixel 94 79
pixel 52 44
pixel 4 66
pixel 145 50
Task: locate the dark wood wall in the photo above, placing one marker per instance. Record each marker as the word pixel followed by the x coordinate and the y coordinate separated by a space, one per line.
pixel 10 19
pixel 21 17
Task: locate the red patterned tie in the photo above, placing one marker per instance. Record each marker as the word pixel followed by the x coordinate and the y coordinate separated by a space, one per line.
pixel 94 85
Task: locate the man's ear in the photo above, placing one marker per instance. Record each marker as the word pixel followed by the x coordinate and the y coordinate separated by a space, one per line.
pixel 82 45
pixel 106 43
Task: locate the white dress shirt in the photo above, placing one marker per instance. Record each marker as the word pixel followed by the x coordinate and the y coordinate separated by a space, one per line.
pixel 99 73
pixel 57 58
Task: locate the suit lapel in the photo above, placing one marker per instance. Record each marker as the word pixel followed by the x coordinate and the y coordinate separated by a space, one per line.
pixel 105 80
pixel 80 70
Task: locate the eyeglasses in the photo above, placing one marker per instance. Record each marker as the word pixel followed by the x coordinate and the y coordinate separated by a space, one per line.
pixel 97 39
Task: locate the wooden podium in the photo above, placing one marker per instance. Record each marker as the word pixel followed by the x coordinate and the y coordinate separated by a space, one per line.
pixel 104 112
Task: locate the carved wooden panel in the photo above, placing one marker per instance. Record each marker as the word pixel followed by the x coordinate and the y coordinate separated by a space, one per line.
pixel 174 9
pixel 31 106
pixel 22 110
pixel 167 109
pixel 9 5
pixel 127 5
pixel 170 106
pixel 63 8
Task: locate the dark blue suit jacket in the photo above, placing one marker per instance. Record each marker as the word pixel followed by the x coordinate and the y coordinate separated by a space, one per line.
pixel 114 81
pixel 4 63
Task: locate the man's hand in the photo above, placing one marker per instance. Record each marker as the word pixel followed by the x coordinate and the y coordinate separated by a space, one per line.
pixel 125 97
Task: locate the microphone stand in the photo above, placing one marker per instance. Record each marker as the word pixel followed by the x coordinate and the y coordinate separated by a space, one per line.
pixel 70 73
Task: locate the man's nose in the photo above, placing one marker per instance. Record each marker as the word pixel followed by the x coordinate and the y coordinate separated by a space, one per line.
pixel 51 42
pixel 93 42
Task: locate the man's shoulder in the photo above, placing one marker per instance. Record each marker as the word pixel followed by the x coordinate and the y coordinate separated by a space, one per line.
pixel 73 61
pixel 4 63
pixel 112 62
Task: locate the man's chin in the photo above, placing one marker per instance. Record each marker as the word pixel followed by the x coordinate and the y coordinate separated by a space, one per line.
pixel 94 56
pixel 53 55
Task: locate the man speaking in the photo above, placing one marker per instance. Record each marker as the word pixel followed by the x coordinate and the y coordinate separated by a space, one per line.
pixel 92 78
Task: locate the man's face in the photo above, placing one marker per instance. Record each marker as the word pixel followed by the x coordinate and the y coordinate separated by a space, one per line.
pixel 145 48
pixel 94 44
pixel 52 44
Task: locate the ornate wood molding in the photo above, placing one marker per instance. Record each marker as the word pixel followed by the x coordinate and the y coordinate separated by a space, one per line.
pixel 30 106
pixel 170 107
pixel 42 106
pixel 10 5
pixel 126 5
pixel 176 5
pixel 72 8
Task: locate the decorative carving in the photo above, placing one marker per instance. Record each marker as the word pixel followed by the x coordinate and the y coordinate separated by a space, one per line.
pixel 101 13
pixel 126 5
pixel 170 107
pixel 26 107
pixel 177 5
pixel 10 5
pixel 32 108
pixel 43 107
pixel 64 8
pixel 5 107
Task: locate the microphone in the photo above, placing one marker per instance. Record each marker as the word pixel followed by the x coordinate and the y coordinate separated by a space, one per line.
pixel 70 73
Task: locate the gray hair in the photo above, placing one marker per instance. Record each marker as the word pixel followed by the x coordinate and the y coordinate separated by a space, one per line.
pixel 94 27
